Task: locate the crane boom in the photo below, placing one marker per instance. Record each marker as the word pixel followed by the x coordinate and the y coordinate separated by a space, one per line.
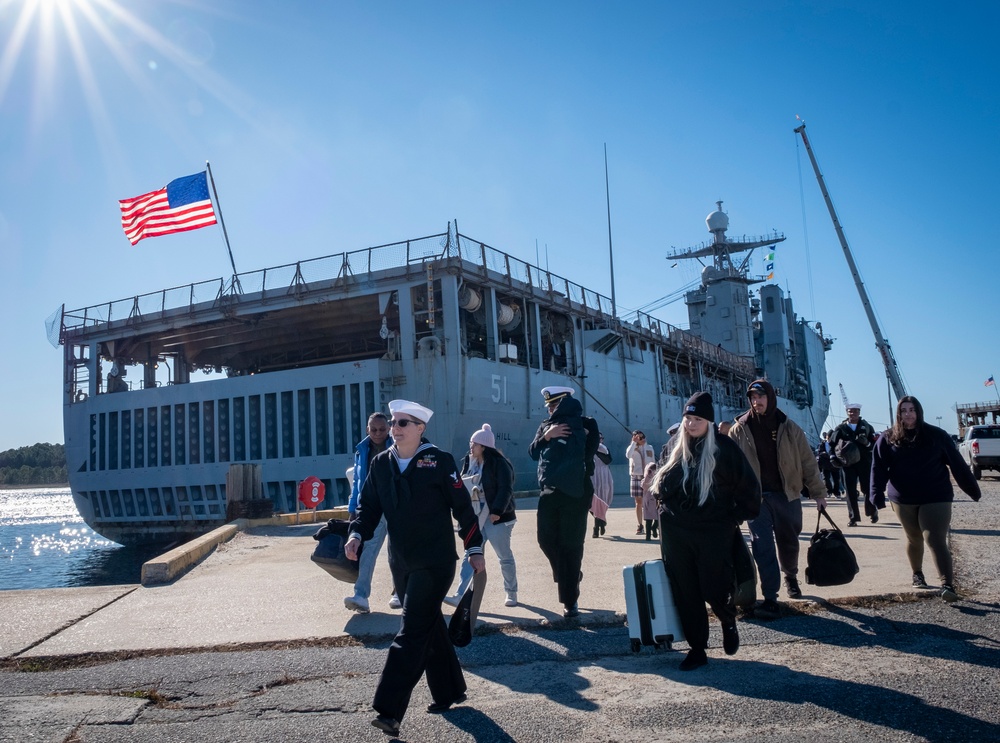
pixel 884 349
pixel 843 396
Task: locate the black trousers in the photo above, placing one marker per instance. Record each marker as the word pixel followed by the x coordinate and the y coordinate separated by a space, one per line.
pixel 699 564
pixel 422 644
pixel 562 532
pixel 859 473
pixel 834 480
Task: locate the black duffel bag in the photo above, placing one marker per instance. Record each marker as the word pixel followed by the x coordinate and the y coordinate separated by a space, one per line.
pixel 830 559
pixel 845 454
pixel 329 552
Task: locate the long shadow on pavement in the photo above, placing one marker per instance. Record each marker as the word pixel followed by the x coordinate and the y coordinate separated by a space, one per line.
pixel 866 703
pixel 844 627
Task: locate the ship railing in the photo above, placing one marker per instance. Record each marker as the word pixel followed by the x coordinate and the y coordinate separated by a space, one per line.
pixel 525 276
pixel 143 305
pixel 407 255
pixel 978 407
pixel 273 281
pixel 343 267
pixel 733 243
pixel 560 289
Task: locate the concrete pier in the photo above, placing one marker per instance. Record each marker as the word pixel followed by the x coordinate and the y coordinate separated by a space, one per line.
pixel 257 586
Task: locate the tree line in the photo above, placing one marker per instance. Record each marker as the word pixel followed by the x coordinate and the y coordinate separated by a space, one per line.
pixel 39 464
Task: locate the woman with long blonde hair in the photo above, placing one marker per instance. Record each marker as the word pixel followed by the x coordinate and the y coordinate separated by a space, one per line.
pixel 706 490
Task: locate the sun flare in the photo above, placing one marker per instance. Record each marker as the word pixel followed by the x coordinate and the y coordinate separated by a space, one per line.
pixel 61 53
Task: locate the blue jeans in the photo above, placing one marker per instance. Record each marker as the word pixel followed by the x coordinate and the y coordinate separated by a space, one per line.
pixel 499 536
pixel 775 541
pixel 366 565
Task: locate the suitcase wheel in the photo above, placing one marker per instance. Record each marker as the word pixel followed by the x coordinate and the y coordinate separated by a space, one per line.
pixel 636 646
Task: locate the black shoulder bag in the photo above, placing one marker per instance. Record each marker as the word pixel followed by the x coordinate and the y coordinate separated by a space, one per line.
pixel 830 559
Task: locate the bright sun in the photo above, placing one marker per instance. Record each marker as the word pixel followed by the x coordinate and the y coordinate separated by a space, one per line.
pixel 40 36
pixel 54 23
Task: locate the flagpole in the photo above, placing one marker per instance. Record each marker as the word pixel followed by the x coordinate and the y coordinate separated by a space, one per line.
pixel 995 388
pixel 218 207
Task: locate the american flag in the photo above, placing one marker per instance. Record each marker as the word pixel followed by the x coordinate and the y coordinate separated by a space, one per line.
pixel 988 382
pixel 181 205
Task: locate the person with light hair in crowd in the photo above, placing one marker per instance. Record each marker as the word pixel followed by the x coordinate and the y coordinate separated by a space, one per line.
pixel 706 490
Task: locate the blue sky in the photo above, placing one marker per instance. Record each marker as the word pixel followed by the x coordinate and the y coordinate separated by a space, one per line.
pixel 336 125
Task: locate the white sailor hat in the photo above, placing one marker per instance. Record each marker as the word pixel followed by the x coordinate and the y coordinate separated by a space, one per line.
pixel 853 406
pixel 555 394
pixel 412 409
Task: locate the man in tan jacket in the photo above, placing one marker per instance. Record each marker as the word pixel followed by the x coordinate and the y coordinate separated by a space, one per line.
pixel 783 461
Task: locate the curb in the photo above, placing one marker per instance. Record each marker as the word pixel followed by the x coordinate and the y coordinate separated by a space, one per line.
pixel 171 565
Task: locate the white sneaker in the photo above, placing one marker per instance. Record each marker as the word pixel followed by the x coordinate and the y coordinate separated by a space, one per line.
pixel 395 603
pixel 511 600
pixel 357 603
pixel 452 600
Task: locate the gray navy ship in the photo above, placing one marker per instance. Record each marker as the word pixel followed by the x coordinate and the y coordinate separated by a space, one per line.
pixel 281 367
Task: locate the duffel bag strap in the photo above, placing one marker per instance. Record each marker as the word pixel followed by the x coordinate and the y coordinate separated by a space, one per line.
pixel 822 512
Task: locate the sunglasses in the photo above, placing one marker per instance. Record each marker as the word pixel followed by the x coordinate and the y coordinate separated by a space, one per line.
pixel 403 422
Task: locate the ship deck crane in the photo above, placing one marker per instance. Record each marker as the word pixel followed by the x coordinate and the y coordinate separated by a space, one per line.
pixel 885 350
pixel 843 396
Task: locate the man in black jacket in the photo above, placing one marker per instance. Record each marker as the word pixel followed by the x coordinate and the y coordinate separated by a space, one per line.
pixel 564 448
pixel 418 489
pixel 861 432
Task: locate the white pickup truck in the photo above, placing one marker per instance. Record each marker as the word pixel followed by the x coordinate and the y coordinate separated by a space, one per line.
pixel 981 449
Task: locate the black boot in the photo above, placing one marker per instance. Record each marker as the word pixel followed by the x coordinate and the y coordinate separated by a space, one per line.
pixel 649 530
pixel 656 529
pixel 597 531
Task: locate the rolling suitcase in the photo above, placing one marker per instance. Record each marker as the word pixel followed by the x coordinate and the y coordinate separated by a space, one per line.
pixel 649 605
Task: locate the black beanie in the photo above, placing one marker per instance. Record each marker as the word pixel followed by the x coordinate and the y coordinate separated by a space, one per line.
pixel 700 404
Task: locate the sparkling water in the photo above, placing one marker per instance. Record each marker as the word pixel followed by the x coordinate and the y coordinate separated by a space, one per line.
pixel 44 543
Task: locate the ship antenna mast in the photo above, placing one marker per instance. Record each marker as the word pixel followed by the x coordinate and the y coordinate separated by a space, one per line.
pixel 611 252
pixel 888 360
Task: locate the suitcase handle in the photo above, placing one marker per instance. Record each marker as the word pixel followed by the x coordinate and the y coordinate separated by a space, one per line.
pixel 652 606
